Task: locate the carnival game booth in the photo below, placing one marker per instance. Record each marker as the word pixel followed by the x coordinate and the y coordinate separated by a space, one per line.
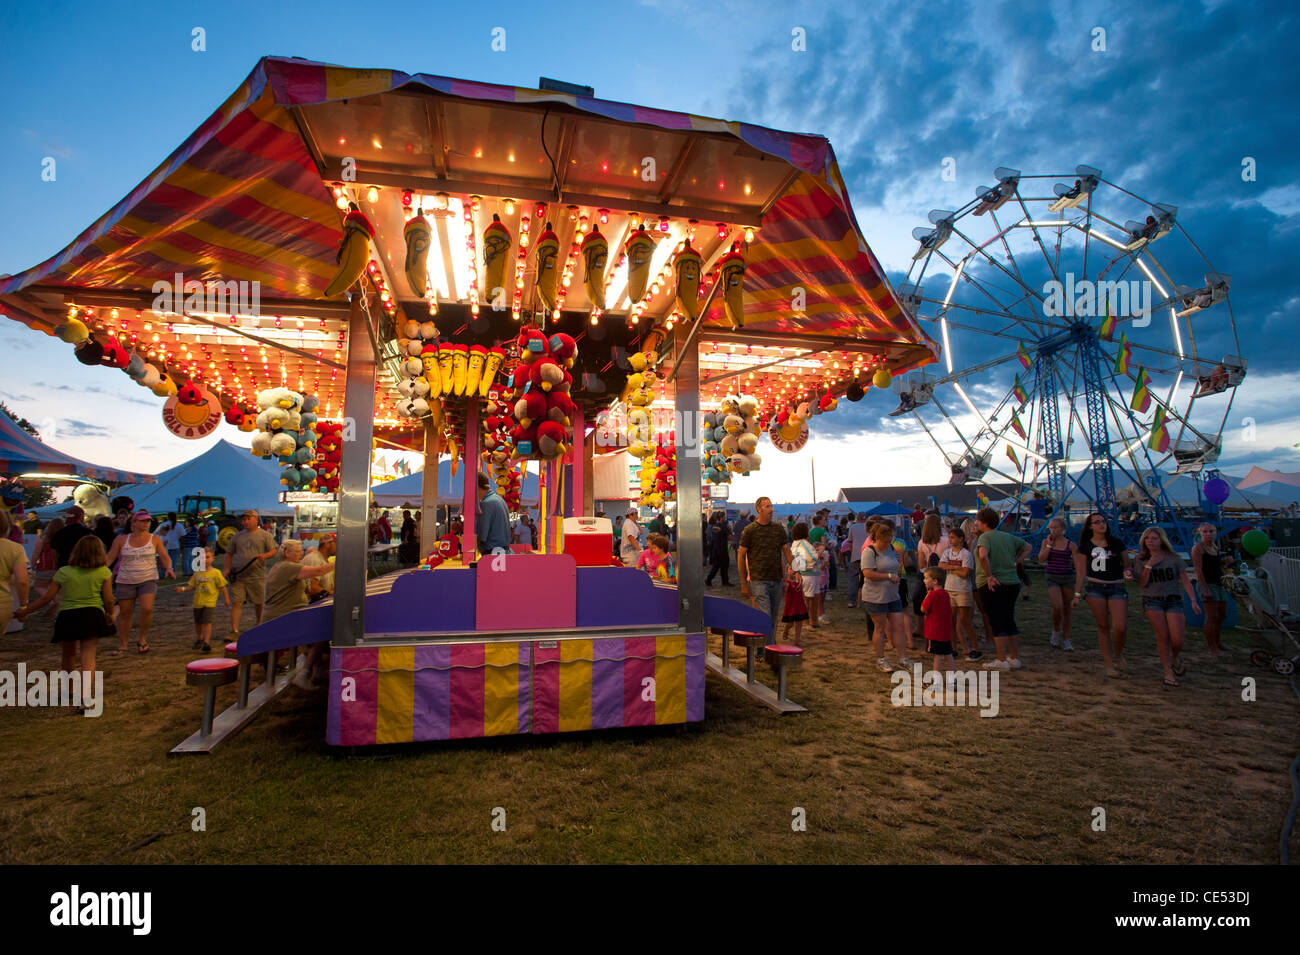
pixel 501 275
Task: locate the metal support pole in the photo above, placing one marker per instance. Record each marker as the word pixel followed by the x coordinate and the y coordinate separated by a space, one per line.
pixel 354 484
pixel 429 484
pixel 469 501
pixel 690 535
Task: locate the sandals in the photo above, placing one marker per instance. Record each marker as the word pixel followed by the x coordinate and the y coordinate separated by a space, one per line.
pixel 1179 668
pixel 204 647
pixel 196 644
pixel 1172 683
pixel 141 648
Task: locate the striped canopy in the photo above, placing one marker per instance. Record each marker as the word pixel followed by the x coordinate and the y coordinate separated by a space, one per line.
pixel 20 453
pixel 247 196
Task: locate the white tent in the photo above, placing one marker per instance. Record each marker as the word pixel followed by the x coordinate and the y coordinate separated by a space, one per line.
pixel 223 470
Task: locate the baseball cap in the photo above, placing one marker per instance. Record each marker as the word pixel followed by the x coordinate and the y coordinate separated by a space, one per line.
pixel 75 511
pixel 141 515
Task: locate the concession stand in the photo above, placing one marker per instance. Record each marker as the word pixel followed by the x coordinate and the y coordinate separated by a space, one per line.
pixel 499 275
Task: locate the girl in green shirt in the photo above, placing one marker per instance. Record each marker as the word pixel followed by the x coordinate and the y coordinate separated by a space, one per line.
pixel 87 609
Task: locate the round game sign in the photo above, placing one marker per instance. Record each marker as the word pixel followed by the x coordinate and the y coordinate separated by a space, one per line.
pixel 786 444
pixel 192 421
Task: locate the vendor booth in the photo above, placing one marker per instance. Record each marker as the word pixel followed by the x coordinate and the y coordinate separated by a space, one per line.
pixel 498 276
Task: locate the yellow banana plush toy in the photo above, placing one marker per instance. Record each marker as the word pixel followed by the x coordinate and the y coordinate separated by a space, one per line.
pixel 490 368
pixel 477 355
pixel 547 254
pixel 354 251
pixel 496 257
pixel 445 369
pixel 595 252
pixel 687 265
pixel 640 248
pixel 732 267
pixel 460 368
pixel 429 356
pixel 417 234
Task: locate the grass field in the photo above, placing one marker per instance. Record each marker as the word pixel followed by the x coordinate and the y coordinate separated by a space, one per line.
pixel 1187 775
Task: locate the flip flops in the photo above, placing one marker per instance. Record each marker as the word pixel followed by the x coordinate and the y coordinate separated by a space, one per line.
pixel 141 648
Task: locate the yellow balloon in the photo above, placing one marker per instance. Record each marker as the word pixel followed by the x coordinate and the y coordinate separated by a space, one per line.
pixel 882 378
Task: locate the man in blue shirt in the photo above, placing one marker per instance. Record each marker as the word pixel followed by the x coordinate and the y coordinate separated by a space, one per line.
pixel 492 526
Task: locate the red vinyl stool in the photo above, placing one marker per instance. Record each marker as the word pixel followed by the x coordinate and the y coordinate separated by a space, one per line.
pixel 210 673
pixel 752 642
pixel 783 658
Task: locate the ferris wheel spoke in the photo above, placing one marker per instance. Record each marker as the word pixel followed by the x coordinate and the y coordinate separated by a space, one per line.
pixel 1029 290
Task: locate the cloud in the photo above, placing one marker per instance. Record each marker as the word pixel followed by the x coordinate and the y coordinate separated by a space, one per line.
pixel 97 390
pixel 82 429
pixel 9 396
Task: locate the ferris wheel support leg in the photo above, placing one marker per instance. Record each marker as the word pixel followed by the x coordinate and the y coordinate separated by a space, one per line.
pixel 1099 434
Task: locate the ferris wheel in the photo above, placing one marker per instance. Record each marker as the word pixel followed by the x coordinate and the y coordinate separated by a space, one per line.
pixel 1089 346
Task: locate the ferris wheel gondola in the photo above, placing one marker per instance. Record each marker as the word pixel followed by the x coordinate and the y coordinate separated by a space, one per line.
pixel 1071 359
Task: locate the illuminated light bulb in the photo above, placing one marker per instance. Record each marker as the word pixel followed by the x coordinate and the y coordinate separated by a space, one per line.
pixel 634 220
pixel 510 157
pixel 721 185
pixel 338 191
pixel 604 216
pixel 663 224
pixel 604 166
pixel 277 321
pixel 372 195
pixel 519 282
pixel 555 315
pixel 373 267
pixel 148 326
pixel 474 309
pixel 440 200
pixel 476 201
pixel 342 202
pixel 376 143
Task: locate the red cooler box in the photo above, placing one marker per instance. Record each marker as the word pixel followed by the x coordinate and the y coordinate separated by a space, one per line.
pixel 589 540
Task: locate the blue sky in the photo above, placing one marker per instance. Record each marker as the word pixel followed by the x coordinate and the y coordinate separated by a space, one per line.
pixel 1182 93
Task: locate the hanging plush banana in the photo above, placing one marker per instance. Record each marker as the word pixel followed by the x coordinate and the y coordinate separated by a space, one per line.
pixel 477 355
pixel 496 257
pixel 490 368
pixel 687 265
pixel 732 268
pixel 460 368
pixel 640 249
pixel 595 252
pixel 445 369
pixel 417 234
pixel 547 255
pixel 354 251
pixel 430 357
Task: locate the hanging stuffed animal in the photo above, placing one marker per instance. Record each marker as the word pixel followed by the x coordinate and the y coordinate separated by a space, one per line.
pixel 354 251
pixel 546 256
pixel 496 258
pixel 687 266
pixel 595 252
pixel 639 250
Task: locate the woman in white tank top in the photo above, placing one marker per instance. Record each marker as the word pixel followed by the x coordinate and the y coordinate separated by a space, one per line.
pixel 134 558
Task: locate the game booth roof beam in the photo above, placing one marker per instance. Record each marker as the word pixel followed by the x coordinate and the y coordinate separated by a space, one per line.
pixel 21 454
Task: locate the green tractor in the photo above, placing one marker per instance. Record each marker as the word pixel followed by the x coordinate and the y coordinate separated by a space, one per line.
pixel 201 508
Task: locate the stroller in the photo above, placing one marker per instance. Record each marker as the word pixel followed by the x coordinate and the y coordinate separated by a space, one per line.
pixel 1254 590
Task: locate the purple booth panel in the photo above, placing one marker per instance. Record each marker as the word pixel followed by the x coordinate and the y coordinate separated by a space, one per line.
pixel 526 592
pixel 723 613
pixel 623 597
pixel 312 624
pixel 424 601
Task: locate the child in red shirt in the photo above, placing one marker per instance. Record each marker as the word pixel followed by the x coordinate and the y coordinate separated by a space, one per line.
pixel 937 609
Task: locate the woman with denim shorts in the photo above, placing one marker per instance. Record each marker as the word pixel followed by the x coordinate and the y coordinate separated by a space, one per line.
pixel 1161 576
pixel 1208 563
pixel 1057 554
pixel 1101 568
pixel 134 558
pixel 880 578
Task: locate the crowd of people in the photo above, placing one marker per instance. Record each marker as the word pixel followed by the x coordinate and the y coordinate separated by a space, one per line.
pixel 96 579
pixel 928 597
